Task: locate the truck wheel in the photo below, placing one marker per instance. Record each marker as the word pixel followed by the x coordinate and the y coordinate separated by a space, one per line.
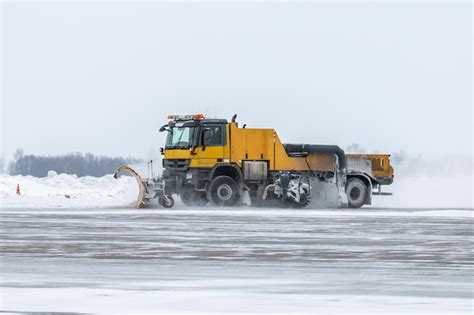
pixel 356 191
pixel 194 198
pixel 223 191
pixel 166 202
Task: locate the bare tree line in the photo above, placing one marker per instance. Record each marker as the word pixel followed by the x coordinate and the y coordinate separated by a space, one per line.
pixel 71 163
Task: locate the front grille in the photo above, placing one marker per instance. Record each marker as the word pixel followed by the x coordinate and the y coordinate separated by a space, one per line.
pixel 176 164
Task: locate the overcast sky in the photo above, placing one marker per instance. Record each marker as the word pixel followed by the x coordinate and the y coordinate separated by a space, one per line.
pixel 102 77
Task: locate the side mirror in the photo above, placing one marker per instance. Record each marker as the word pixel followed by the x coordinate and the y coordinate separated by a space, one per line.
pixel 163 128
pixel 206 136
pixel 162 151
pixel 171 124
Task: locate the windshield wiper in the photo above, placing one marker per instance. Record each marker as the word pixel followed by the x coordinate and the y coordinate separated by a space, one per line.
pixel 180 136
pixel 184 145
pixel 177 146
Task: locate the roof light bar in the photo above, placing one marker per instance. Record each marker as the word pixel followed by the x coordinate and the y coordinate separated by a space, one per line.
pixel 186 117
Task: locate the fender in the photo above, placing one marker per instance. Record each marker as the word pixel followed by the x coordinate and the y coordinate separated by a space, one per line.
pixel 240 177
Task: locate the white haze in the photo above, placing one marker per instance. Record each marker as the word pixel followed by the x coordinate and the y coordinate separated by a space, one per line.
pixel 101 77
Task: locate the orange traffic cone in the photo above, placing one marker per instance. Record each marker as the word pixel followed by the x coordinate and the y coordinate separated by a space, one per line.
pixel 18 189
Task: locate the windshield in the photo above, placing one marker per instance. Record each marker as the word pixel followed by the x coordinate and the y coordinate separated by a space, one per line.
pixel 182 137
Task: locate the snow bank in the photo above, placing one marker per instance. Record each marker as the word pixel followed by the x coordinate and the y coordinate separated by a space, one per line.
pixel 66 191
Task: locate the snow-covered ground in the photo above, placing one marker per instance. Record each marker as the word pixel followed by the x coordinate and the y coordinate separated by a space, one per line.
pixel 246 261
pixel 184 287
pixel 71 245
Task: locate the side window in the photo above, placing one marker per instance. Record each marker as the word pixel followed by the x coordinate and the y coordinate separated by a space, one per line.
pixel 217 136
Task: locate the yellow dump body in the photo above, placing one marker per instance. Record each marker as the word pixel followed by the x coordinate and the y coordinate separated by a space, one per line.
pixel 264 144
pixel 379 164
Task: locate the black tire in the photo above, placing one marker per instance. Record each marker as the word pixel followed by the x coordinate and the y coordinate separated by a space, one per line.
pixel 167 202
pixel 223 191
pixel 356 191
pixel 194 198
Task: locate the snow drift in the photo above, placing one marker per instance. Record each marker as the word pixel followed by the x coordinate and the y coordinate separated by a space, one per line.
pixel 66 191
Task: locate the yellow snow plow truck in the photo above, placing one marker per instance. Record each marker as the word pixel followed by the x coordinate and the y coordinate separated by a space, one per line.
pixel 213 161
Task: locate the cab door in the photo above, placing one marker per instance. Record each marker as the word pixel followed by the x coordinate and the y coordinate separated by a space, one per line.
pixel 211 151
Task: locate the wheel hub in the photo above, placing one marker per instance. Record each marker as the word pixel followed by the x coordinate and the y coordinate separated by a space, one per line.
pixel 224 192
pixel 355 193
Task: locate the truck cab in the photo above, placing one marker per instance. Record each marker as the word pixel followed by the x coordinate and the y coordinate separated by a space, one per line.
pixel 194 146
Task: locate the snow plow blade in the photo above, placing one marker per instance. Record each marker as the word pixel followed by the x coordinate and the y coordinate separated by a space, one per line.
pixel 142 186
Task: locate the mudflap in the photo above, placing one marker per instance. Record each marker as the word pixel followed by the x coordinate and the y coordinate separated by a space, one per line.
pixel 342 200
pixel 245 198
